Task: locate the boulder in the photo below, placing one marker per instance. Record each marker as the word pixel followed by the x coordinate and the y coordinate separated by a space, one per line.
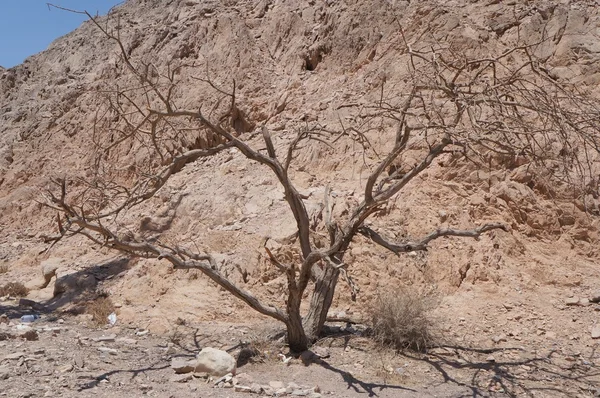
pixel 214 362
pixel 49 268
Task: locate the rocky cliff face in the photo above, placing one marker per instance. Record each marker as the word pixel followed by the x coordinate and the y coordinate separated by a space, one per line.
pixel 296 62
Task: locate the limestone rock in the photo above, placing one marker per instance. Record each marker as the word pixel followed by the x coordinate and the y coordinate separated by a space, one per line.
pixel 49 268
pixel 214 362
pixel 180 365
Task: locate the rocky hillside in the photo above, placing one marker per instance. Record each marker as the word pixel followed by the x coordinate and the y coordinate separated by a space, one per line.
pixel 295 62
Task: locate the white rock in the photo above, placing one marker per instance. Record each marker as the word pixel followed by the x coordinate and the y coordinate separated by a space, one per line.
pixel 214 362
pixel 180 365
pixel 596 332
pixel 110 338
pixel 276 384
pixel 108 350
pixel 49 268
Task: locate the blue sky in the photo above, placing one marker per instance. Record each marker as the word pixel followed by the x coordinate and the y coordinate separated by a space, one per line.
pixel 28 26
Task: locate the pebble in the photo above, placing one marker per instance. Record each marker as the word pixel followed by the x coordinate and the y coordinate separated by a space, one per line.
pixel 596 332
pixel 106 339
pixel 276 384
pixel 4 373
pixel 572 301
pixel 66 368
pixel 108 350
pixel 182 378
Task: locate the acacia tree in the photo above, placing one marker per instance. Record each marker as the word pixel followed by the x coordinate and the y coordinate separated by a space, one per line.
pixel 458 109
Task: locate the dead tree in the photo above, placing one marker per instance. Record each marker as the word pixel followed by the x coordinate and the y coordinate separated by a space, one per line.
pixel 452 108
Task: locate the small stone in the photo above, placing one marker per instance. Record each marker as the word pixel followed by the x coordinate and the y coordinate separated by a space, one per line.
pixel 490 359
pixel 225 379
pixel 499 338
pixel 321 352
pixel 66 368
pixel 596 332
pixel 180 365
pixel 244 379
pixel 106 339
pixel 276 385
pixel 241 388
pixel 79 361
pixel 4 373
pixel 281 391
pixel 595 298
pixel 572 301
pixel 256 388
pixel 182 378
pixel 584 302
pixel 108 350
pixel 170 349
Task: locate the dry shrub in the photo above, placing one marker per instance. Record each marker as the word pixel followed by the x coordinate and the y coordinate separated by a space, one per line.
pixel 100 309
pixel 401 320
pixel 14 289
pixel 261 346
pixel 3 269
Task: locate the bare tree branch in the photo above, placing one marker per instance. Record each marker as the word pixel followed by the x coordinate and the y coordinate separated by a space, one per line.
pixel 423 242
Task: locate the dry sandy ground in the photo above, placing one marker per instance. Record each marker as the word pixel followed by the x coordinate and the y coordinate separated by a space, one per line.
pixel 68 357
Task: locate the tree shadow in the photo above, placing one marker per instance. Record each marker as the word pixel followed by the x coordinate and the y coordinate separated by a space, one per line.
pixel 529 375
pixel 358 385
pixel 82 285
pixel 73 288
pixel 134 373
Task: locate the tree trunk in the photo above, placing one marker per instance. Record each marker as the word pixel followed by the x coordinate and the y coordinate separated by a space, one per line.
pixel 297 339
pixel 320 302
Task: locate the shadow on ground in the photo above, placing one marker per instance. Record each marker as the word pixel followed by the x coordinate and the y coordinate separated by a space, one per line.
pixel 70 289
pixel 512 372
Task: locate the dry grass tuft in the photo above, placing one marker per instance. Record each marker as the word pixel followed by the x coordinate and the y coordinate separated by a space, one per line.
pixel 14 289
pixel 3 269
pixel 100 309
pixel 401 320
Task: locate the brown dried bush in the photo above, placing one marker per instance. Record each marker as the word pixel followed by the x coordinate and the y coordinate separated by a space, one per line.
pixel 3 269
pixel 401 319
pixel 100 309
pixel 14 289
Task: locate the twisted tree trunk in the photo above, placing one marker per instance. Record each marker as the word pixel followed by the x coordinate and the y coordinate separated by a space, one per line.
pixel 320 303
